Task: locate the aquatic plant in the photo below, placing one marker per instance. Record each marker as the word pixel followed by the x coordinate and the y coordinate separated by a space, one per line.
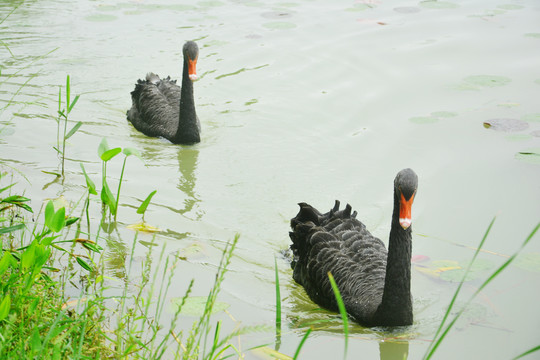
pixel 63 117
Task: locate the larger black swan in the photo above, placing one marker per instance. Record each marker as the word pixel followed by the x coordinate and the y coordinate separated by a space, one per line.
pixel 163 109
pixel 374 283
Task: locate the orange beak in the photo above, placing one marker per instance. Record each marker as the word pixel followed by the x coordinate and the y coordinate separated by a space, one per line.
pixel 192 69
pixel 405 206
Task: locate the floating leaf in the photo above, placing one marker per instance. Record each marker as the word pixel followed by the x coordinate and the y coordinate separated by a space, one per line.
pixel 531 117
pixel 279 25
pixel 423 119
pixel 432 4
pixel 530 156
pixel 476 270
pixel 487 80
pixel 529 262
pixel 100 18
pixel 407 9
pixel 444 114
pixel 191 251
pixel 510 7
pixel 518 137
pixel 196 305
pixel 144 227
pixel 506 125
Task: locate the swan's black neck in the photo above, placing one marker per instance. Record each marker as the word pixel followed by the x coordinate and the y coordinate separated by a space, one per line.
pixel 188 127
pixel 396 305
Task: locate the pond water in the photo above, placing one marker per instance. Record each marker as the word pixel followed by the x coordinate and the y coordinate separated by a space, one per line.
pixel 302 100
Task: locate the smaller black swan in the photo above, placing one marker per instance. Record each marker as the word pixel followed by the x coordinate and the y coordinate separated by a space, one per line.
pixel 374 283
pixel 163 109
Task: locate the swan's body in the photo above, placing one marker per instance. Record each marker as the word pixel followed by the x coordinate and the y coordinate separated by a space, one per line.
pixel 374 283
pixel 163 109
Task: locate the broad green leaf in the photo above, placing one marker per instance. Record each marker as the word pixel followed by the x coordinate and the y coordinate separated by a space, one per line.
pixel 73 130
pixel 132 151
pixel 196 305
pixel 49 214
pixel 103 147
pixel 59 220
pixel 89 183
pixel 145 203
pixel 84 264
pixel 28 257
pixel 35 342
pixel 109 154
pixel 108 198
pixel 6 261
pixel 5 306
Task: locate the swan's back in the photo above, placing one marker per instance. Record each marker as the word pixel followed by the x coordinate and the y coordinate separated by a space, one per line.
pixel 155 106
pixel 337 242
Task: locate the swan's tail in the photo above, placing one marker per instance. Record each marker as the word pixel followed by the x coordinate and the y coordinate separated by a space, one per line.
pixel 306 232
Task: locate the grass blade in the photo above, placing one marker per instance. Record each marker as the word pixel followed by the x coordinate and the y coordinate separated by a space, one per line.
pixel 530 351
pixel 301 344
pixel 456 293
pixel 436 343
pixel 342 311
pixel 73 130
pixel 278 305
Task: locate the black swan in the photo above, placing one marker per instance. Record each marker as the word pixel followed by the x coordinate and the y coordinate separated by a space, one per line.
pixel 374 283
pixel 163 109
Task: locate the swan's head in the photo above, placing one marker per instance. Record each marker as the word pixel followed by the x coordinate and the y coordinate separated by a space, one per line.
pixel 405 186
pixel 191 53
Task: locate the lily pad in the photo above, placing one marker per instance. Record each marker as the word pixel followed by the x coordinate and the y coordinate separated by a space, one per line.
pixel 531 117
pixel 518 137
pixel 476 271
pixel 195 306
pixel 407 9
pixel 444 114
pixel 487 80
pixel 506 125
pixel 529 262
pixel 279 25
pixel 510 7
pixel 531 156
pixel 433 4
pixel 533 35
pixel 100 18
pixel 144 227
pixel 423 119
